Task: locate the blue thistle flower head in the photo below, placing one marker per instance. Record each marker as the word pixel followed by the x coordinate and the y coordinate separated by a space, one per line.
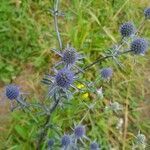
pixel 94 146
pixel 79 131
pixel 139 46
pixel 50 142
pixel 127 29
pixel 106 73
pixel 12 91
pixel 64 78
pixel 69 56
pixel 147 13
pixel 66 140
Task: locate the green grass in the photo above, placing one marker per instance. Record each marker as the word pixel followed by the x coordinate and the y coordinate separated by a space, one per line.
pixel 26 37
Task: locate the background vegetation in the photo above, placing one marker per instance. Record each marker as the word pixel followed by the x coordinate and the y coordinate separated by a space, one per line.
pixel 91 26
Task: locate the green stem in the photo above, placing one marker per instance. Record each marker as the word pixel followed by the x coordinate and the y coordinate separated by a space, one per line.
pixel 56 23
pixel 45 126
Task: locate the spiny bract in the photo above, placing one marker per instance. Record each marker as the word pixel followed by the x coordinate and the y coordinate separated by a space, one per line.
pixel 12 91
pixel 139 46
pixel 147 13
pixel 127 29
pixel 64 78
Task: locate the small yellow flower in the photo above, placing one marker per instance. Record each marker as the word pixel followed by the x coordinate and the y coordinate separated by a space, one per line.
pixel 80 86
pixel 85 95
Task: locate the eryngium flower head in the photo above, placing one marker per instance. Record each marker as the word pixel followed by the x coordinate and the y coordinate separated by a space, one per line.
pixel 79 131
pixel 94 146
pixel 139 46
pixel 66 140
pixel 115 106
pixel 106 73
pixel 69 56
pixel 140 139
pixel 127 29
pixel 12 91
pixel 50 142
pixel 147 13
pixel 64 78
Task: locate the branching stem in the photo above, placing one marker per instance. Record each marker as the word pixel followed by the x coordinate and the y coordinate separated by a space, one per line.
pixel 56 101
pixel 140 26
pixel 100 59
pixel 46 125
pixel 47 122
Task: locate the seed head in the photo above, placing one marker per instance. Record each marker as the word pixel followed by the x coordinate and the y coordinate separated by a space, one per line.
pixel 12 91
pixel 115 106
pixel 79 131
pixel 147 13
pixel 139 46
pixel 106 73
pixel 127 29
pixel 94 146
pixel 64 78
pixel 140 139
pixel 66 140
pixel 69 55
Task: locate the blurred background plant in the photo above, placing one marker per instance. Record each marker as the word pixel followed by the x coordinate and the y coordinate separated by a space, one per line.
pixel 26 37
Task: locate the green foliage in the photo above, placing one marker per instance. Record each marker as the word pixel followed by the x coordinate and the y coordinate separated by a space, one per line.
pixel 23 35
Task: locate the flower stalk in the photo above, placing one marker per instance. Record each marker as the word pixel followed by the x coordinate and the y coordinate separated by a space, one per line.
pixel 55 14
pixel 46 125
